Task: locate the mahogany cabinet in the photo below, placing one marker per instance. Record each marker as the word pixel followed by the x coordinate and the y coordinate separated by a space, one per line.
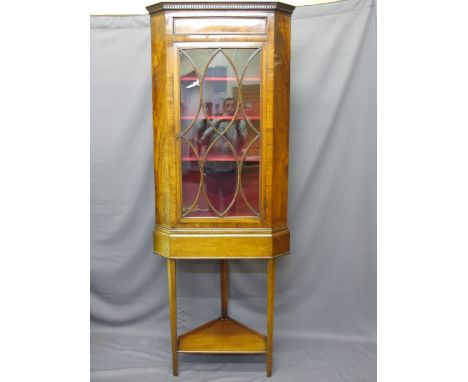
pixel 221 120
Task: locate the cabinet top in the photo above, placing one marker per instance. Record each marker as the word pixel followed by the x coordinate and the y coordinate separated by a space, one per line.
pixel 220 6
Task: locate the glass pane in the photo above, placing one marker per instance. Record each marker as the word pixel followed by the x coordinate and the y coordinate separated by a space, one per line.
pixel 189 92
pixel 190 176
pixel 250 89
pixel 194 203
pixel 250 177
pixel 220 131
pixel 239 57
pixel 200 57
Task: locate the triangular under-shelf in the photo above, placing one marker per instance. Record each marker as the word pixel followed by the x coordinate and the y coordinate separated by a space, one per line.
pixel 222 336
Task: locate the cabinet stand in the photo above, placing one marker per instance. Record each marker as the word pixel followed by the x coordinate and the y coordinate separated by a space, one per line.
pixel 222 335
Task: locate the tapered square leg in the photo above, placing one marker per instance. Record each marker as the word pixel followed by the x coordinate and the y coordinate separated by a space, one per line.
pixel 270 313
pixel 171 279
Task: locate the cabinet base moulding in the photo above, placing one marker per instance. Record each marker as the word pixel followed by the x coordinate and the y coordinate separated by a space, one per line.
pixel 261 244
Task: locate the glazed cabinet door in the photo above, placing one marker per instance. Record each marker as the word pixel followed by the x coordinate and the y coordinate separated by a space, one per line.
pixel 219 113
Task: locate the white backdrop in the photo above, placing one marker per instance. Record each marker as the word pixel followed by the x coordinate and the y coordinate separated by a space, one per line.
pixel 119 7
pixel 325 323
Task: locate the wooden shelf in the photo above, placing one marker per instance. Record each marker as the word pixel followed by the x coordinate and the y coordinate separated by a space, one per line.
pixel 222 336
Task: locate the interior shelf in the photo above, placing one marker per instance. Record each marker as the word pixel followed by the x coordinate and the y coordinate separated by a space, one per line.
pixel 222 336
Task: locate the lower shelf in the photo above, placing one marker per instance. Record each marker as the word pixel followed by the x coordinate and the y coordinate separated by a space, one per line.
pixel 222 336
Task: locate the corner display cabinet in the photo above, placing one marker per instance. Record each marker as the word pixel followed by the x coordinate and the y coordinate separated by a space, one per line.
pixel 221 121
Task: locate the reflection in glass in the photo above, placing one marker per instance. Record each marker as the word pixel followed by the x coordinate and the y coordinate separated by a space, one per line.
pixel 220 131
pixel 190 175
